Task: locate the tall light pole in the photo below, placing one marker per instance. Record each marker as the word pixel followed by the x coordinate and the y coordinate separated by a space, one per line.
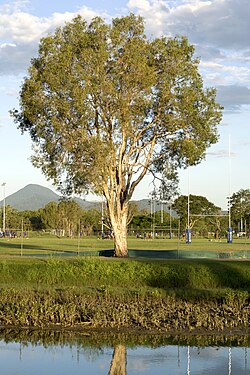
pixel 4 214
pixel 188 231
pixel 161 212
pixel 170 221
pixel 102 228
pixel 241 219
pixel 230 230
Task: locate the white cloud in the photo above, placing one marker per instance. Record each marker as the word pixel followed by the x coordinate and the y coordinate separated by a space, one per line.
pixel 7 45
pixel 18 24
pixel 222 154
pixel 233 96
pixel 226 73
pixel 22 30
pixel 21 27
pixel 218 28
pixel 154 13
pixel 222 23
pixel 141 5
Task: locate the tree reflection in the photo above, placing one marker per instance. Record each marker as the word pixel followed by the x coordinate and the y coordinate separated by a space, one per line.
pixel 119 361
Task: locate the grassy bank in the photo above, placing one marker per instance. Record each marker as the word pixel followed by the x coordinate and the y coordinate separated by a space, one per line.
pixel 125 294
pixel 125 275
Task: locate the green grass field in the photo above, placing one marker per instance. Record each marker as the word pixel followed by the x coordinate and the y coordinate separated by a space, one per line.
pixel 44 245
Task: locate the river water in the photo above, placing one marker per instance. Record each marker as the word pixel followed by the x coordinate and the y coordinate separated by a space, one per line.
pixel 25 355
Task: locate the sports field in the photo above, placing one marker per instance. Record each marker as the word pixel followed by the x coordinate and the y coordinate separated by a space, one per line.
pixel 47 245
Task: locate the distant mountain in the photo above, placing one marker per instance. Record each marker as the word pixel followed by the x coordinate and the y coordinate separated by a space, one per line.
pixel 32 197
pixel 87 205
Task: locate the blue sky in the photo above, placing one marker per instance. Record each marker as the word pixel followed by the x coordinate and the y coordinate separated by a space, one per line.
pixel 220 31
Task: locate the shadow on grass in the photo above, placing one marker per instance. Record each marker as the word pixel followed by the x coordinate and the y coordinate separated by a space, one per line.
pixel 202 275
pixel 188 254
pixel 107 253
pixel 11 245
pixel 230 274
pixel 17 246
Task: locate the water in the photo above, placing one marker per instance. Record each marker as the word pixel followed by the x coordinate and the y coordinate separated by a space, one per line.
pixel 83 355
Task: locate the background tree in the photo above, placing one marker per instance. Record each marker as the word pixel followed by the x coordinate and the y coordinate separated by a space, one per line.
pixel 133 210
pixel 69 217
pixel 141 222
pixel 104 106
pixel 15 219
pixel 159 222
pixel 31 218
pixel 90 221
pixel 240 209
pixel 198 205
pixel 49 216
pixel 12 220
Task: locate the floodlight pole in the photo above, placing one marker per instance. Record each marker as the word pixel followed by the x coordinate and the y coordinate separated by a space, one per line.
pixel 241 219
pixel 102 229
pixel 230 231
pixel 188 231
pixel 153 232
pixel 170 221
pixel 21 238
pixel 4 213
pixel 79 236
pixel 152 215
pixel 161 212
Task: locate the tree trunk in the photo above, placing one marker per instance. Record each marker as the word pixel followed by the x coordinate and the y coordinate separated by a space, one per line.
pixel 120 236
pixel 118 364
pixel 119 228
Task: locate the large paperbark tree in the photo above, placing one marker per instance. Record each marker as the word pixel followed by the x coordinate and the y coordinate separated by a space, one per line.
pixel 105 105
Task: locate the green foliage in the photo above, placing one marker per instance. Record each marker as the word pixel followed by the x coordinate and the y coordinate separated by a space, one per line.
pixel 49 215
pixel 198 205
pixel 141 221
pixel 91 221
pixel 68 217
pixel 240 208
pixel 15 220
pixel 96 89
pixel 145 221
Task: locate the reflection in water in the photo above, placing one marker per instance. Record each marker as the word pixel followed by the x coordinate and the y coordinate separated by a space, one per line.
pixel 55 353
pixel 229 360
pixel 188 360
pixel 118 363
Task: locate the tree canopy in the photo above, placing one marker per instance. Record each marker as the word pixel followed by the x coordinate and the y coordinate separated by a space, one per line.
pixel 105 105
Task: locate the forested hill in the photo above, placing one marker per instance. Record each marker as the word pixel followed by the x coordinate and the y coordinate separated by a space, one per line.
pixel 33 197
